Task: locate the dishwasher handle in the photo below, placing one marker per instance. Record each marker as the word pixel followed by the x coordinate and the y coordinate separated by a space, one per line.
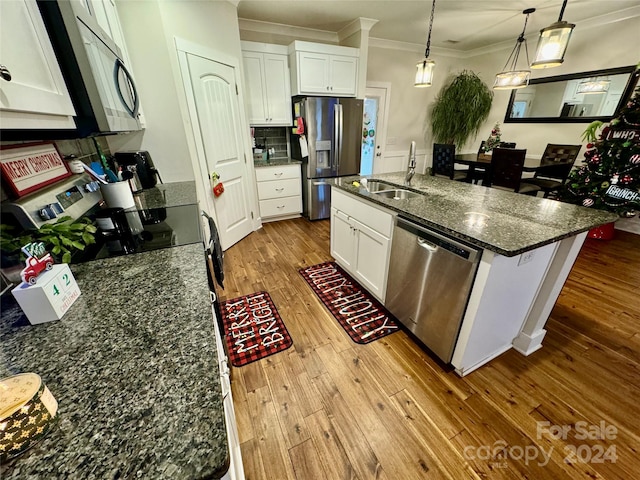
pixel 432 240
pixel 427 245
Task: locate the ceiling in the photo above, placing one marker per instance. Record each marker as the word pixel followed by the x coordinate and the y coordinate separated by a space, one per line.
pixel 459 25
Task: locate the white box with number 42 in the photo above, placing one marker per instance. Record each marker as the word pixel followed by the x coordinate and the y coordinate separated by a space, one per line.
pixel 52 295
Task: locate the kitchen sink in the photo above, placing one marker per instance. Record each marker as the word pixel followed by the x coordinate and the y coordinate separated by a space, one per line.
pixel 398 194
pixel 377 185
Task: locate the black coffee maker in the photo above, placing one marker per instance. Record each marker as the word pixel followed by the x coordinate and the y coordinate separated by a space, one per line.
pixel 140 164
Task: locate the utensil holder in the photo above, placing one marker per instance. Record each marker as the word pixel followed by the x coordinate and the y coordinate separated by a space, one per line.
pixel 118 195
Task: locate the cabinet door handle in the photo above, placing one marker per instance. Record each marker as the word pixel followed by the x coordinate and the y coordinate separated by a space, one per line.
pixel 5 73
pixel 328 88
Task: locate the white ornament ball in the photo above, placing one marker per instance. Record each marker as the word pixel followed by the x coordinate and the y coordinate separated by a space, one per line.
pixel 587 202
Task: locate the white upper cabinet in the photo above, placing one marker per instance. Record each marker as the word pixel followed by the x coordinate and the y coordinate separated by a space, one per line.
pixel 319 69
pixel 36 97
pixel 268 91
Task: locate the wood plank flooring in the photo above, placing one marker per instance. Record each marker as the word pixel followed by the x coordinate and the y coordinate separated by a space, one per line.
pixel 328 408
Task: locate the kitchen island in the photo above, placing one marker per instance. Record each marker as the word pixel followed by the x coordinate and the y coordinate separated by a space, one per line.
pixel 526 247
pixel 133 366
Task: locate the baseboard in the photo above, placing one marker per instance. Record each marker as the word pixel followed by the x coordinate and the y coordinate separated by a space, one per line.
pixel 629 225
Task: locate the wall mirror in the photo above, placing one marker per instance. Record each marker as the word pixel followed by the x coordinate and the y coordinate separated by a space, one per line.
pixel 574 98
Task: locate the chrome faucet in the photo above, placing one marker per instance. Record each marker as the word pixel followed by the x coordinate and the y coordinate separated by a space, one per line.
pixel 411 171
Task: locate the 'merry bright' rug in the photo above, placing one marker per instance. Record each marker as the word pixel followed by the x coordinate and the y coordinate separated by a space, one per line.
pixel 363 317
pixel 253 328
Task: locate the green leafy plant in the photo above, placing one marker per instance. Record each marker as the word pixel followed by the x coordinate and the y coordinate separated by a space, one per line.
pixel 61 238
pixel 460 109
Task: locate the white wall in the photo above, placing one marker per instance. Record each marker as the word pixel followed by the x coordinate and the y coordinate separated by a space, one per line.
pixel 605 46
pixel 149 29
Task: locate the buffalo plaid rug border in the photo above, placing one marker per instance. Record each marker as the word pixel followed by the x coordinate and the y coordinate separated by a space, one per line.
pixel 362 316
pixel 252 334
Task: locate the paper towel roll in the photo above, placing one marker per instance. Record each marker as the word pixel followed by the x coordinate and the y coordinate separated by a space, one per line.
pixel 117 195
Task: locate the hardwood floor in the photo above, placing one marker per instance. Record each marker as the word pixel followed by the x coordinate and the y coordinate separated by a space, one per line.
pixel 328 408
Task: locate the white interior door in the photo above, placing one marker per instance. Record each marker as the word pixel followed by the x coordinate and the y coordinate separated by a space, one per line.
pixel 217 127
pixel 376 104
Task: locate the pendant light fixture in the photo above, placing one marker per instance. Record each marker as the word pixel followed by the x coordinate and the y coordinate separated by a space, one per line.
pixel 424 69
pixel 553 42
pixel 594 85
pixel 512 78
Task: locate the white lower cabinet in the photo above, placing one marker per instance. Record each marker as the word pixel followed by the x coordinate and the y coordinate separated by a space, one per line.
pixel 361 240
pixel 279 192
pixel 236 469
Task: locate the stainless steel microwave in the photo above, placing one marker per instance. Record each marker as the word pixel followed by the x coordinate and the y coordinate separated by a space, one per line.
pixel 101 87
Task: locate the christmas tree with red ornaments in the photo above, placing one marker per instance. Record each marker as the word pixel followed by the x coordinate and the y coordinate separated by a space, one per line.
pixel 609 178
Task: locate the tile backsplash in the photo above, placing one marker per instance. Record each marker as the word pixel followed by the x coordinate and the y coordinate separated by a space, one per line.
pixel 275 138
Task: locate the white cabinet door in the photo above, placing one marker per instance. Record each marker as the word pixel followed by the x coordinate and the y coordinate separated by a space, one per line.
pixel 371 252
pixel 313 72
pixel 277 89
pixel 36 97
pixel 254 88
pixel 342 239
pixel 343 75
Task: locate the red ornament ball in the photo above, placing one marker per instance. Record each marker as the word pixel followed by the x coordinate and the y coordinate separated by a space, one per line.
pixel 626 179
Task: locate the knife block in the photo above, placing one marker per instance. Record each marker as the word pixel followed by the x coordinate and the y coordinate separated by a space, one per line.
pixel 51 296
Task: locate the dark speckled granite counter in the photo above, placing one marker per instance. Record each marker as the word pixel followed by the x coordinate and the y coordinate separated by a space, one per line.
pixel 273 163
pixel 133 365
pixel 503 222
pixel 167 195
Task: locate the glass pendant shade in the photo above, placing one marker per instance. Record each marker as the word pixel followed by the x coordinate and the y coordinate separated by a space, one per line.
pixel 512 80
pixel 593 86
pixel 424 73
pixel 552 45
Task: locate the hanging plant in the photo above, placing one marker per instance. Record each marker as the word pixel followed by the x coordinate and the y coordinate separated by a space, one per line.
pixel 460 109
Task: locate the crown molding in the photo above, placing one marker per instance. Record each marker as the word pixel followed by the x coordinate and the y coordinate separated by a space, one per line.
pixel 289 30
pixel 360 24
pixel 413 47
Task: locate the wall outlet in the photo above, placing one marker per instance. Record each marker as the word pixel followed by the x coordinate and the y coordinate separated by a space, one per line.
pixel 526 257
pixel 392 140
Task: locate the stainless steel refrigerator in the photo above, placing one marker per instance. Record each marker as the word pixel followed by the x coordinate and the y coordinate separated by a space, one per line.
pixel 332 139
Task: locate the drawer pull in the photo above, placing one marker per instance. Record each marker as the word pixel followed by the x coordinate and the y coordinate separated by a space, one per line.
pixel 279 174
pixel 279 189
pixel 280 206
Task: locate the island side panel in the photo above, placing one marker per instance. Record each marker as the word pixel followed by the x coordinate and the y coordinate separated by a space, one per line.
pixel 530 338
pixel 502 297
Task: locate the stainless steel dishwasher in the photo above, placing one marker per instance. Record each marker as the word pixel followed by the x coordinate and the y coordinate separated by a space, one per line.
pixel 430 279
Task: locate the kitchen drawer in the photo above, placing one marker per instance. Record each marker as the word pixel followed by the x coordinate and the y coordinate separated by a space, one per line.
pixel 279 188
pixel 377 218
pixel 278 172
pixel 280 206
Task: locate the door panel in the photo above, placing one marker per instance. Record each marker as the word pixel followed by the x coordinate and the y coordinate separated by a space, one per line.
pixel 342 239
pixel 379 95
pixel 217 110
pixel 350 144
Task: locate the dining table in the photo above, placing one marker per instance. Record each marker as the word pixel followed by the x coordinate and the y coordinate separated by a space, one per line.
pixel 531 164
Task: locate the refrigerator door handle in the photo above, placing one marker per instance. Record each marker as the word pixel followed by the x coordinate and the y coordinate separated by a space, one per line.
pixel 337 134
pixel 340 137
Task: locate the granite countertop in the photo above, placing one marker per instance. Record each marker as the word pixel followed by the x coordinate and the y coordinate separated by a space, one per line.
pixel 133 365
pixel 503 222
pixel 274 162
pixel 167 195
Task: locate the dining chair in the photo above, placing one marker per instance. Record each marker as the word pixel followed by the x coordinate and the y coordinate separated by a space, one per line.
pixel 443 162
pixel 550 176
pixel 481 173
pixel 506 171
